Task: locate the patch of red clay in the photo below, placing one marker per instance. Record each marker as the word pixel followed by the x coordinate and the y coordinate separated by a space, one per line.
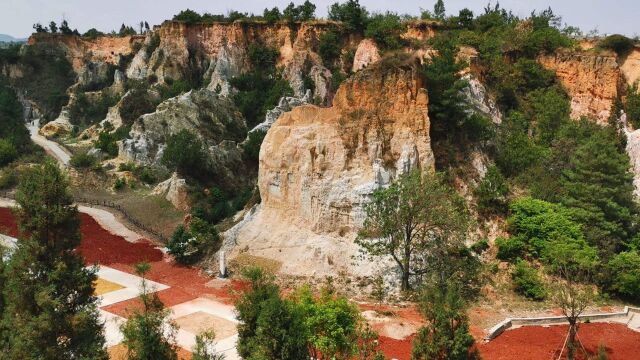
pixel 99 246
pixel 8 225
pixel 396 349
pixel 542 343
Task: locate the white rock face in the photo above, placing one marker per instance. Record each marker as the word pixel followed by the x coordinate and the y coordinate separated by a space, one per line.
pixel 175 191
pixel 633 150
pixel 138 69
pixel 480 101
pixel 286 104
pixel 228 64
pixel 57 127
pixel 366 53
pixel 319 167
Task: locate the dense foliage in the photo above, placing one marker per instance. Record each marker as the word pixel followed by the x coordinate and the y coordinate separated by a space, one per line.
pixel 188 245
pixel 50 294
pixel 260 89
pixel 14 137
pixel 185 153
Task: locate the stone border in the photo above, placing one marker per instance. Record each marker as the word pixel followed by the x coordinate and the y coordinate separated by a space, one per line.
pixel 556 320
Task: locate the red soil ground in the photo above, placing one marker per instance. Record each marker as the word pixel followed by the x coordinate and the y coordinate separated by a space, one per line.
pixel 542 343
pixel 8 224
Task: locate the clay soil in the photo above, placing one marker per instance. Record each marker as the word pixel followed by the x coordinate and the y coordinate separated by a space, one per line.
pixel 543 343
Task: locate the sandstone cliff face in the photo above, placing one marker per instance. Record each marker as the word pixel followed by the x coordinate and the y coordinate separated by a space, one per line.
pixel 79 50
pixel 590 79
pixel 631 67
pixel 319 166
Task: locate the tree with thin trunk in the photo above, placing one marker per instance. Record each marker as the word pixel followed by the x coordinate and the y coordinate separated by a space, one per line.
pixel 148 333
pixel 417 221
pixel 51 309
pixel 573 296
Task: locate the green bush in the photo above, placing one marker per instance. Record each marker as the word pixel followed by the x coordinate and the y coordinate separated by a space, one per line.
pixel 8 152
pixel 186 154
pixel 119 184
pixel 146 175
pixel 83 160
pixel 351 14
pixel 137 103
pixel 632 106
pixel 492 191
pixel 189 245
pixel 84 111
pixel 625 272
pixel 251 148
pixel 510 249
pixel 620 44
pixel 329 47
pixel 527 281
pixel 8 178
pixel 386 29
pixel 480 246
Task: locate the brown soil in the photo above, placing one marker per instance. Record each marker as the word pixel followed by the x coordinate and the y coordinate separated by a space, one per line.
pixel 541 343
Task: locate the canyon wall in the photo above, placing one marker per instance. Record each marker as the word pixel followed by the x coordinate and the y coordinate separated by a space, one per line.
pixel 319 166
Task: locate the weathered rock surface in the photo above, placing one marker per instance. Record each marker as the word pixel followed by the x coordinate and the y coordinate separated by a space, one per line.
pixel 479 100
pixel 286 103
pixel 319 166
pixel 366 53
pixel 58 127
pixel 175 190
pixel 200 112
pixel 631 67
pixel 590 79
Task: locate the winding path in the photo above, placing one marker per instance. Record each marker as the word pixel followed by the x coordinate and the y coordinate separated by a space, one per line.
pixel 51 147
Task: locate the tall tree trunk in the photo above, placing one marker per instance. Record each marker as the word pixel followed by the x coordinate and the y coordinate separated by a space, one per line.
pixel 571 344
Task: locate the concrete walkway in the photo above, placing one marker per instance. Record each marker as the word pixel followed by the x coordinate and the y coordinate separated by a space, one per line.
pixel 52 148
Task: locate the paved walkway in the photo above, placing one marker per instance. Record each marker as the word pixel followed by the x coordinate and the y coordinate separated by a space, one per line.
pixel 51 147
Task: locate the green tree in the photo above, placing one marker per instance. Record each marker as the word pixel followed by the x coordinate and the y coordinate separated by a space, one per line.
pixel 492 190
pixel 53 27
pixel 386 29
pixel 205 347
pixel 8 152
pixel 271 327
pixel 185 153
pixel 632 106
pixel 148 334
pixel 465 18
pixel 527 281
pixel 307 11
pixel 438 10
pixel 446 335
pixel 625 273
pixel 599 191
pixel 351 14
pixel 51 308
pixel 417 221
pixel 332 323
pixel 272 16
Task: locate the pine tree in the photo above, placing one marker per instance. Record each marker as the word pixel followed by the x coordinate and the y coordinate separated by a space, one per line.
pixel 51 310
pixel 598 188
pixel 446 335
pixel 438 10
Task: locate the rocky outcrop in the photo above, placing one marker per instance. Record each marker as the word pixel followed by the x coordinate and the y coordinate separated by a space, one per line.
pixel 366 53
pixel 80 50
pixel 590 79
pixel 286 103
pixel 631 67
pixel 201 112
pixel 319 167
pixel 479 99
pixel 58 127
pixel 175 190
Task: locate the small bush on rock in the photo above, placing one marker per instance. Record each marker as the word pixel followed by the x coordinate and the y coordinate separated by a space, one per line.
pixel 83 160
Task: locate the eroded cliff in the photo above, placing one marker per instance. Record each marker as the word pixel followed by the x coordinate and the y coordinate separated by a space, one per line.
pixel 319 166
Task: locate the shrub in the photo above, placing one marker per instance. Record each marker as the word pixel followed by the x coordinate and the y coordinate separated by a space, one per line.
pixel 185 153
pixel 107 143
pixel 480 246
pixel 8 178
pixel 137 103
pixel 329 47
pixel 8 152
pixel 351 14
pixel 146 175
pixel 527 281
pixel 386 29
pixel 492 191
pixel 620 44
pixel 119 184
pixel 83 160
pixel 625 271
pixel 251 148
pixel 510 249
pixel 128 166
pixel 189 245
pixel 84 111
pixel 188 16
